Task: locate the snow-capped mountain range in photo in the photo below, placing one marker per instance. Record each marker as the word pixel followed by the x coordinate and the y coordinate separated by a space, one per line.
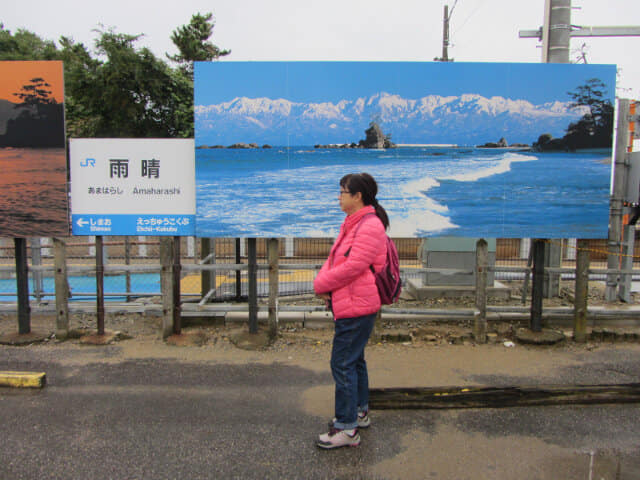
pixel 468 119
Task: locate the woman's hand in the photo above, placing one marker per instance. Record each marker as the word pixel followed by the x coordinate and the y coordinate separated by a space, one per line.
pixel 324 296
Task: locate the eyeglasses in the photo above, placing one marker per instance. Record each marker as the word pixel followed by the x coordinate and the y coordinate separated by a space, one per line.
pixel 342 192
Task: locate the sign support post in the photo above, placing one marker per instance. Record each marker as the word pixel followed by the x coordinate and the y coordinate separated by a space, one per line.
pixel 177 268
pixel 22 280
pixel 273 248
pixel 100 283
pixel 62 288
pixel 253 284
pixel 537 286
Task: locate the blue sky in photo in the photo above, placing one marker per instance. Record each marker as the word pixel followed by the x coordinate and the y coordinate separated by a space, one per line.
pixel 222 81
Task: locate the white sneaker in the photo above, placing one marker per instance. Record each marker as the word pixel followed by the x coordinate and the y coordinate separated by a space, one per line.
pixel 336 438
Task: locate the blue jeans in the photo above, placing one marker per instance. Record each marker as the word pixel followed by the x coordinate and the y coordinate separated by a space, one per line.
pixel 349 368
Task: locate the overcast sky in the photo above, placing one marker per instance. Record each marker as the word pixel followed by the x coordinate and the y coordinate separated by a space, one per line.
pixel 380 30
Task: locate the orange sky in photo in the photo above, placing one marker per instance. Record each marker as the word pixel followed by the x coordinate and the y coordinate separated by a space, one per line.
pixel 13 75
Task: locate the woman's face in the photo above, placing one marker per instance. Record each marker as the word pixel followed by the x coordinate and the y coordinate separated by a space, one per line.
pixel 350 203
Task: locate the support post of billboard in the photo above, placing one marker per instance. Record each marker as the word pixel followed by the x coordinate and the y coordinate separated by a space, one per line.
pixel 207 247
pixel 581 292
pixel 100 283
pixel 36 275
pixel 177 268
pixel 482 262
pixel 537 285
pixel 62 288
pixel 127 261
pixel 22 284
pixel 253 284
pixel 273 248
pixel 166 286
pixel 238 273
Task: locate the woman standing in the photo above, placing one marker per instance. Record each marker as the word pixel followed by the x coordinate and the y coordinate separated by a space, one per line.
pixel 347 282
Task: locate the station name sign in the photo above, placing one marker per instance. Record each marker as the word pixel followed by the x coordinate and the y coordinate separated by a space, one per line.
pixel 132 187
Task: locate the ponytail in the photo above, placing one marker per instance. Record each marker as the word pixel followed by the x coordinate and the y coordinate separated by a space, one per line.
pixel 382 215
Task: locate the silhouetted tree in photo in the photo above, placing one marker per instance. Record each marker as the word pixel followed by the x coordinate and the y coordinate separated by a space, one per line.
pixel 36 93
pixel 595 128
pixel 40 123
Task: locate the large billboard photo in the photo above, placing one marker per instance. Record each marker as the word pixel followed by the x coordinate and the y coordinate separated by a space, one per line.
pixel 458 149
pixel 33 162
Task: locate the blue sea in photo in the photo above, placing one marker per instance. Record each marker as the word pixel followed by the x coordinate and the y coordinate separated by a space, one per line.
pixel 427 191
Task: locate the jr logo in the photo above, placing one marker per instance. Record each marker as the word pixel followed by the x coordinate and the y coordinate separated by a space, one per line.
pixel 88 162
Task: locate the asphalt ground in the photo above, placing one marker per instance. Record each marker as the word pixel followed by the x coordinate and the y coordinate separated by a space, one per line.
pixel 140 409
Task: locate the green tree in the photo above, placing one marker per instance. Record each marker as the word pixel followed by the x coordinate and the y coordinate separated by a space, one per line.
pixel 120 90
pixel 79 75
pixel 192 42
pixel 25 45
pixel 131 93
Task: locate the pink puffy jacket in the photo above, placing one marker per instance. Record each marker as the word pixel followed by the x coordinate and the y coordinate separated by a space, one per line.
pixel 347 274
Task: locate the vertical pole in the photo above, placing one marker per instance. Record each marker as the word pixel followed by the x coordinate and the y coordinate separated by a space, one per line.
pixel 273 248
pixel 46 250
pixel 142 246
pixel 545 31
pixel 62 288
pixel 538 280
pixel 36 261
pixel 553 258
pixel 205 275
pixel 525 248
pixel 238 273
pixel 559 31
pixel 482 262
pixel 445 35
pixel 166 286
pixel 100 283
pixel 177 269
pixel 127 261
pixel 582 292
pixel 191 247
pixel 626 262
pixel 572 244
pixel 289 247
pixel 558 35
pixel 92 246
pixel 22 284
pixel 616 202
pixel 253 285
pixel 525 285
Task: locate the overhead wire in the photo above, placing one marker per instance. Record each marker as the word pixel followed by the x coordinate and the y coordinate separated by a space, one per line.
pixel 478 7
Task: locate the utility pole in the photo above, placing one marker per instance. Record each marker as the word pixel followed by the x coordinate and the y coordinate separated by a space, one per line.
pixel 445 37
pixel 557 31
pixel 558 21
